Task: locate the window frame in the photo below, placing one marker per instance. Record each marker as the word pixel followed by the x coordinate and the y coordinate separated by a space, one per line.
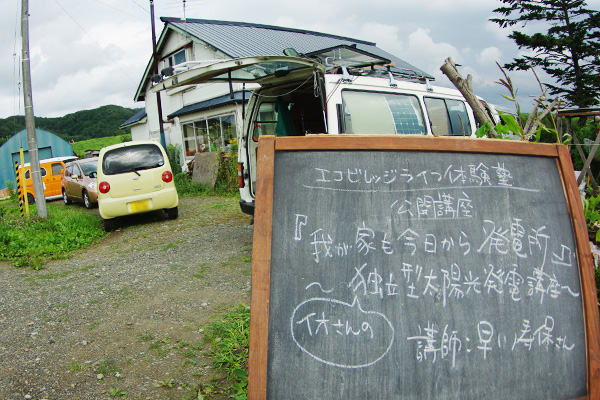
pixel 451 131
pixel 206 139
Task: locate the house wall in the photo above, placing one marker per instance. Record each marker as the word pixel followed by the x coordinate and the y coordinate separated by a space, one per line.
pixel 176 99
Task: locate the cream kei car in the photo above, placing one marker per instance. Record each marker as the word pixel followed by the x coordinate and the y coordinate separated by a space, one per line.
pixel 134 177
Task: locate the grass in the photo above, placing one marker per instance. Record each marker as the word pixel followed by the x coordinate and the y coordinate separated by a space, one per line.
pixel 80 147
pixel 229 339
pixel 30 241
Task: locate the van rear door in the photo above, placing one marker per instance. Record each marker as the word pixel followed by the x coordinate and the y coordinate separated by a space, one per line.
pixel 262 70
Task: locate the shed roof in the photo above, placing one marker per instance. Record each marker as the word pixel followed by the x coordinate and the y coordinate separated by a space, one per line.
pixel 49 145
pixel 242 39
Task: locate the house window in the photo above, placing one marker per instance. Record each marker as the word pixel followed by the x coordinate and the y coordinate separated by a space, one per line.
pixel 209 134
pixel 175 59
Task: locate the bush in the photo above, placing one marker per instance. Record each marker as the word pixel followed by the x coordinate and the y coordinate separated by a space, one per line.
pixel 187 187
pixel 227 176
pixel 174 155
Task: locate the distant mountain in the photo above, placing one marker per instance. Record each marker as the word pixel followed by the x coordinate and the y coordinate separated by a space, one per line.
pixel 81 125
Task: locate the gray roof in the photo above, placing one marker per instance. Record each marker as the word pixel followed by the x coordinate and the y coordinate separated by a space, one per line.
pixel 238 97
pixel 137 117
pixel 241 39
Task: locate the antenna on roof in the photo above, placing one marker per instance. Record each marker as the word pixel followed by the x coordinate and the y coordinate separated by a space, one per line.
pixel 183 19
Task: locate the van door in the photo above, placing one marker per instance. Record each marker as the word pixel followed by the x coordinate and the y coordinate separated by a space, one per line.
pixel 53 187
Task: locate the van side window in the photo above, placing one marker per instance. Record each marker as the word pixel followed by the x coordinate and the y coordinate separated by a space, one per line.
pixel 28 173
pixel 448 117
pixel 373 113
pixel 57 169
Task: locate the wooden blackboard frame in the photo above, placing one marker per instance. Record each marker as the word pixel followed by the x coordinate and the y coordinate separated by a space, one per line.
pixel 261 258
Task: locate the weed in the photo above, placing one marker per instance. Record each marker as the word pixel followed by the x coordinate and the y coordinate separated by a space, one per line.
pixel 107 367
pixel 115 392
pixel 93 325
pixel 145 336
pixel 229 340
pixel 88 267
pixel 177 267
pixel 75 367
pixel 166 383
pixel 169 246
pixel 159 348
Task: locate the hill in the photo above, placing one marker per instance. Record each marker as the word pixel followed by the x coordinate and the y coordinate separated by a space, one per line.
pixel 81 125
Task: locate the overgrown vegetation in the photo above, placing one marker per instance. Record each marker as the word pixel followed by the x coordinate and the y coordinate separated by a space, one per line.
pixel 81 125
pixel 30 241
pixel 80 147
pixel 229 339
pixel 591 210
pixel 226 183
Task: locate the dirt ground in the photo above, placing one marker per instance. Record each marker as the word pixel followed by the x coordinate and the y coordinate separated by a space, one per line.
pixel 127 317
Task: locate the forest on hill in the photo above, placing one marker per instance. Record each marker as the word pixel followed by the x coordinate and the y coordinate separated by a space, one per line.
pixel 81 125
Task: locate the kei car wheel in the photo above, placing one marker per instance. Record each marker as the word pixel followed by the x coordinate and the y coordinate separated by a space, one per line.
pixel 65 198
pixel 86 200
pixel 109 224
pixel 172 213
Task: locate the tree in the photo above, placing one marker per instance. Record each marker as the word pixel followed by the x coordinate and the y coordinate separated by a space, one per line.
pixel 568 51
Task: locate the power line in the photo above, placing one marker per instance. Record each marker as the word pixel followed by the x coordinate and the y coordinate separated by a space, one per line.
pixel 16 70
pixel 140 6
pixel 96 43
pixel 119 10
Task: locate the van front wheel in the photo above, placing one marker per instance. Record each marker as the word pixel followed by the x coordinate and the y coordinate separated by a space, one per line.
pixel 172 213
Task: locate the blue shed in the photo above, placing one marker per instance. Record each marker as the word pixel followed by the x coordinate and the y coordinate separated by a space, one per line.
pixel 49 145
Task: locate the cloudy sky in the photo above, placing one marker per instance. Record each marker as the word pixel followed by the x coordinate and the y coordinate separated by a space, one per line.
pixel 89 53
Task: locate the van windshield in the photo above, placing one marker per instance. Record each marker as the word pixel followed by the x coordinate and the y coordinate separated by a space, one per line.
pixel 371 113
pixel 132 158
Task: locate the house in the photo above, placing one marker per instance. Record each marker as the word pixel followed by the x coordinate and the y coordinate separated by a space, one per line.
pixel 202 117
pixel 49 145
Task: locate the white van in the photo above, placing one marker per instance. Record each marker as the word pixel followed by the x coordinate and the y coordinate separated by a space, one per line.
pixel 299 96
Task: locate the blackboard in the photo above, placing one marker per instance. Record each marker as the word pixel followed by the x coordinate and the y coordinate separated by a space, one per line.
pixel 412 268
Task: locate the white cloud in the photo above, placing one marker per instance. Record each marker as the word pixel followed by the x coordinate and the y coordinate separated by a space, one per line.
pixel 86 54
pixel 489 56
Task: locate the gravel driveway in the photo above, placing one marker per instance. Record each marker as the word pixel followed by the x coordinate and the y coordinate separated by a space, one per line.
pixel 126 318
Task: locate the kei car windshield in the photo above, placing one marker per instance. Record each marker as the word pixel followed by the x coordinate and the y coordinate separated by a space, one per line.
pixel 132 158
pixel 89 167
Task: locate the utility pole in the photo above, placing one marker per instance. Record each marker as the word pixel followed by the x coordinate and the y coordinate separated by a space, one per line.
pixel 155 68
pixel 34 159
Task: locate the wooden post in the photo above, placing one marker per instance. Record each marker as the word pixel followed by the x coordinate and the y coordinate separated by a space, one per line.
pixel 464 86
